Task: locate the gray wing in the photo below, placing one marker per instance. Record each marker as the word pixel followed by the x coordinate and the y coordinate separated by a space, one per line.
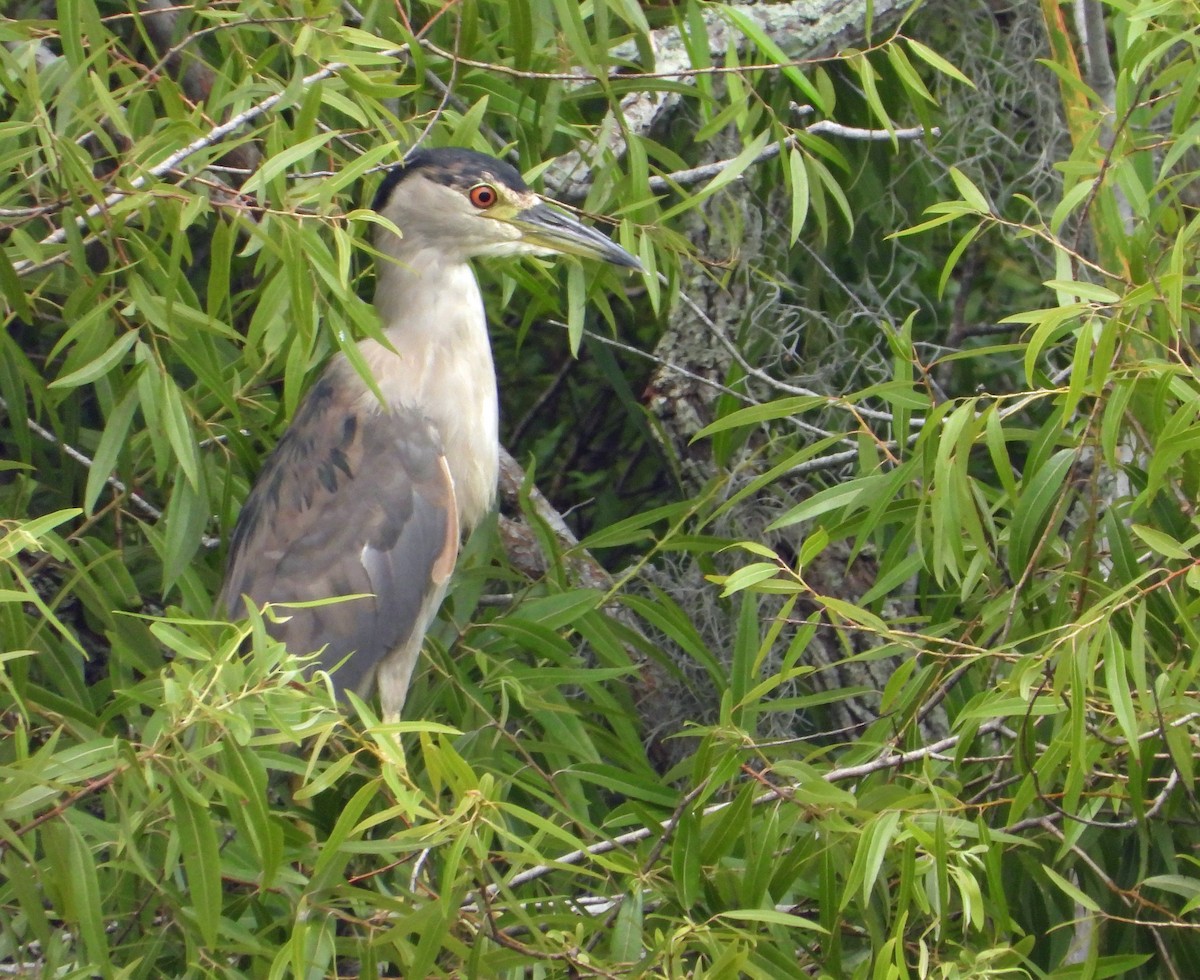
pixel 354 499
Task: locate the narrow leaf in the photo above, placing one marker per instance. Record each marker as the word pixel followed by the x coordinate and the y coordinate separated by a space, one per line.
pixel 201 859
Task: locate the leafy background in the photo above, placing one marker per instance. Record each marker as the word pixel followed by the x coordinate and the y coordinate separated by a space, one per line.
pixel 841 617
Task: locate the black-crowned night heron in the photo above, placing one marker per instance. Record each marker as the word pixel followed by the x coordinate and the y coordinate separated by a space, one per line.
pixel 370 497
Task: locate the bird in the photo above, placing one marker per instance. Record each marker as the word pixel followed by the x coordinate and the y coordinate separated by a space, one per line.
pixel 372 487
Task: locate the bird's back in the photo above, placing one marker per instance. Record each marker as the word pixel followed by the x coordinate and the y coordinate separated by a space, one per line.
pixel 355 500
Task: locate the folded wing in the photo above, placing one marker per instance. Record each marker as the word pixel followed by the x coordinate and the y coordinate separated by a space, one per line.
pixel 355 499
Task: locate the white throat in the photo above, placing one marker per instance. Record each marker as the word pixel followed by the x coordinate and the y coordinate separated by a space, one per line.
pixel 432 314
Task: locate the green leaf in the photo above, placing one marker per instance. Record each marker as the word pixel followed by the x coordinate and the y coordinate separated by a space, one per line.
pixel 334 855
pixel 279 163
pixel 1050 323
pixel 98 367
pixel 771 917
pixel 870 854
pixel 779 408
pixel 730 172
pixel 627 942
pixel 845 495
pixel 685 859
pixel 576 306
pixel 1162 543
pixel 935 60
pixel 179 432
pixel 1089 291
pixel 1041 494
pixel 12 289
pixel 633 529
pixel 1076 894
pixel 908 75
pixel 751 28
pixel 867 77
pixel 663 613
pixel 970 193
pixel 108 449
pixel 250 808
pixel 195 825
pixel 1181 885
pixel 78 884
pixel 955 253
pixel 185 518
pixel 798 176
pixel 747 577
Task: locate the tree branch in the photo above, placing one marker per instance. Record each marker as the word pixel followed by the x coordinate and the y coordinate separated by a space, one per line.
pixel 888 760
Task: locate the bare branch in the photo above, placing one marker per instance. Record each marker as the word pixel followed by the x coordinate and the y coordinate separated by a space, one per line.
pixel 137 500
pixel 887 760
pixel 696 175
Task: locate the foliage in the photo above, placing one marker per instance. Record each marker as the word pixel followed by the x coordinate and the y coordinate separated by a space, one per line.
pixel 180 799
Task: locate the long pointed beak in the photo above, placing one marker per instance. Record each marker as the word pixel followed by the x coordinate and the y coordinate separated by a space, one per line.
pixel 544 227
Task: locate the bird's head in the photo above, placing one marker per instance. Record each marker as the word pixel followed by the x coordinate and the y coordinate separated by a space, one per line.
pixel 465 204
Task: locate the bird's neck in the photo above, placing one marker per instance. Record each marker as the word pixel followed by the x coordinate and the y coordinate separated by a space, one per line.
pixel 424 297
pixel 432 315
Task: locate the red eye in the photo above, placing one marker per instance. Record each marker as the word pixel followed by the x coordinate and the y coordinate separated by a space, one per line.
pixel 483 196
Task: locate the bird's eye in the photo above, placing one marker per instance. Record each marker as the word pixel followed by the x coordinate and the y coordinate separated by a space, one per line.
pixel 483 196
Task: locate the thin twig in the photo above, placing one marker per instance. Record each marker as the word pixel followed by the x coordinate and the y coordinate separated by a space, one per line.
pixel 695 175
pixel 889 760
pixel 915 422
pixel 668 366
pixel 668 828
pixel 620 75
pixel 136 499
